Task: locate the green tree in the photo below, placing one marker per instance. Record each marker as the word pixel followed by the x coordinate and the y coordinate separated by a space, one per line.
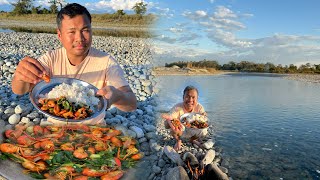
pixel 140 8
pixel 55 3
pixel 22 7
pixel 36 10
pixel 45 11
pixel 53 9
pixel 120 12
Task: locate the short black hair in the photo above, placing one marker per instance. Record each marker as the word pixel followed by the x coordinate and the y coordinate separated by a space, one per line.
pixel 189 88
pixel 72 10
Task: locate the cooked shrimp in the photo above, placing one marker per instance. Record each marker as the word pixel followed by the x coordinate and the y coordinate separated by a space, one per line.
pixel 80 153
pixel 93 173
pixel 113 175
pixel 67 147
pixel 9 148
pixel 46 78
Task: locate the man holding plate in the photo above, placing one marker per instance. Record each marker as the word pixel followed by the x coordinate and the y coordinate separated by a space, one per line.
pixel 189 105
pixel 77 59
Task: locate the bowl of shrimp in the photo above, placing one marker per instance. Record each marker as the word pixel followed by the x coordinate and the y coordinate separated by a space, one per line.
pixel 67 99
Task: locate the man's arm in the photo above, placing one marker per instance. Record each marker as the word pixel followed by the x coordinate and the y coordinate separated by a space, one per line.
pixel 29 71
pixel 123 98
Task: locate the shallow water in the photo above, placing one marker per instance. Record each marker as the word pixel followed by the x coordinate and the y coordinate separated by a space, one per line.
pixel 6 30
pixel 267 126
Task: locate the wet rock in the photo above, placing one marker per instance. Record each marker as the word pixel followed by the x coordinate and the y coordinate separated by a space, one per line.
pixel 173 155
pixel 19 109
pixel 177 173
pixel 209 144
pixel 14 119
pixel 213 172
pixel 138 131
pixel 161 163
pixel 208 157
pixel 149 128
pixel 156 169
pixel 189 157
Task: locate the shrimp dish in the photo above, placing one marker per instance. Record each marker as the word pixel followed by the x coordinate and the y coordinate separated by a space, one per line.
pixel 70 151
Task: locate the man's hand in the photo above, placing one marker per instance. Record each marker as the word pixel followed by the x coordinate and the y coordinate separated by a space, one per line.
pixel 166 116
pixel 123 97
pixel 29 72
pixel 169 119
pixel 109 92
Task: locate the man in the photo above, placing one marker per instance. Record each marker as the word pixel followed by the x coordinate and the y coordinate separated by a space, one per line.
pixel 77 59
pixel 189 105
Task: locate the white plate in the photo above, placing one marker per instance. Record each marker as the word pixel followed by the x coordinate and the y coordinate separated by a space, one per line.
pixel 43 88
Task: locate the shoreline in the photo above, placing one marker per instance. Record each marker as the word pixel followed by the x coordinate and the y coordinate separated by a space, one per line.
pixel 170 71
pixel 175 71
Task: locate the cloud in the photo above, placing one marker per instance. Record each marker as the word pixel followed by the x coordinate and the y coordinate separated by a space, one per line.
pixel 199 14
pixel 277 49
pixel 5 2
pixel 226 24
pixel 42 3
pixel 211 1
pixel 164 53
pixel 223 12
pixel 175 30
pixel 279 39
pixel 164 12
pixel 166 39
pixel 113 5
pixel 227 39
pixel 188 37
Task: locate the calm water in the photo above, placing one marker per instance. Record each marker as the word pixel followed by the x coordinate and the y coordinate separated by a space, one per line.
pixel 268 127
pixel 6 30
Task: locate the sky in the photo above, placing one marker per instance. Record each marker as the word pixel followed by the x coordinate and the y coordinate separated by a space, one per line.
pixel 281 32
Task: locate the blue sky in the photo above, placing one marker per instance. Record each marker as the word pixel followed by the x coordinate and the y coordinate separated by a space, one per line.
pixel 282 32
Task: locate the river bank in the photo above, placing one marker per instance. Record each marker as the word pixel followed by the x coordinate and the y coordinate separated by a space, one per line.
pixel 134 56
pixel 177 71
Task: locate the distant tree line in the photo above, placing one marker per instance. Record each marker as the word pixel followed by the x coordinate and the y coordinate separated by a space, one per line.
pixel 246 66
pixel 26 7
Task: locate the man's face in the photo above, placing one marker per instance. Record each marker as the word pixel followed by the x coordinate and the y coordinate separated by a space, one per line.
pixel 75 35
pixel 190 100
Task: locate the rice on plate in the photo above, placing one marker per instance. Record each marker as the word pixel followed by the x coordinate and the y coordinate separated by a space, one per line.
pixel 74 93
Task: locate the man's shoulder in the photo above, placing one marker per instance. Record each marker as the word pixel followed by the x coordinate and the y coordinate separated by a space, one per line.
pixel 55 51
pixel 199 108
pixel 98 53
pixel 199 105
pixel 178 105
pixel 52 55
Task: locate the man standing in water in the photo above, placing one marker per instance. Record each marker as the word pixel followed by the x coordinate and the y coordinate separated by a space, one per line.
pixel 189 105
pixel 77 59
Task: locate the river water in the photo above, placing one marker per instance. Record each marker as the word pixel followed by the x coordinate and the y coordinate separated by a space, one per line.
pixel 268 127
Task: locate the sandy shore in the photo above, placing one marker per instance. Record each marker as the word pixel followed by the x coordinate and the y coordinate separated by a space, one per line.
pixel 165 71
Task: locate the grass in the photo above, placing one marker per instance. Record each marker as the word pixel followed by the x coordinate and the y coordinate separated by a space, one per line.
pixel 124 26
pixel 96 32
pixel 104 19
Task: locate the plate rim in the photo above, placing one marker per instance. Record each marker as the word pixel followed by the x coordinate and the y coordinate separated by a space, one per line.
pixel 33 94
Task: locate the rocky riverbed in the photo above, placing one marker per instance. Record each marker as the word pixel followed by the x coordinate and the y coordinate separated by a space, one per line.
pixel 135 57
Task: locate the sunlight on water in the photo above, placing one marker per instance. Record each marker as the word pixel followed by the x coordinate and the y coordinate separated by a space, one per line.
pixel 268 127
